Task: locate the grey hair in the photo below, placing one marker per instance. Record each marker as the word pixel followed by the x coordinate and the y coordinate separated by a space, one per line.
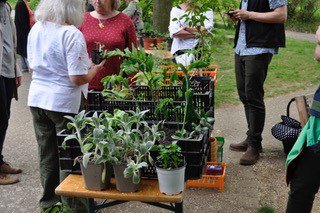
pixel 60 11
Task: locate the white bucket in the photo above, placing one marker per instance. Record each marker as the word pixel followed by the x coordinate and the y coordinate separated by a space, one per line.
pixel 171 182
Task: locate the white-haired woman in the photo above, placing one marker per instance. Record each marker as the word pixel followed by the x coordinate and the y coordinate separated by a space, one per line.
pixel 110 28
pixel 58 57
pixel 135 13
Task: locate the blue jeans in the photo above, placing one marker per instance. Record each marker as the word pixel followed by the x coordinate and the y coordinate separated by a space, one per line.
pixel 6 93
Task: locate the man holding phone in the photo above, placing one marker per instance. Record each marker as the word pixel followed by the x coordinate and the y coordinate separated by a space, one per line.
pixel 259 34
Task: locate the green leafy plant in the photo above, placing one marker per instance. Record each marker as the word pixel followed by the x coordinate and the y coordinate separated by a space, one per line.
pixel 163 107
pixel 93 142
pixel 193 122
pixel 170 156
pixel 59 208
pixel 141 63
pixel 116 87
pixel 133 139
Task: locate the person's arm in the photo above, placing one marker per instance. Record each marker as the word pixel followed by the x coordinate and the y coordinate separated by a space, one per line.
pixel 131 36
pixel 175 28
pixel 130 9
pixel 278 15
pixel 317 50
pixel 79 66
pixel 318 36
pixel 184 33
pixel 84 79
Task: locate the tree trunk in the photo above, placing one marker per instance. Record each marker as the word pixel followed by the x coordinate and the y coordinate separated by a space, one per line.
pixel 161 15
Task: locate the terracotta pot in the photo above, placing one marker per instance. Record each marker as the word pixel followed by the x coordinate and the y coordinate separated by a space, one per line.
pixel 148 43
pixel 160 40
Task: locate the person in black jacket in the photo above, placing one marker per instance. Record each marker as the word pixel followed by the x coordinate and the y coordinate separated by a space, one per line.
pixel 259 34
pixel 23 26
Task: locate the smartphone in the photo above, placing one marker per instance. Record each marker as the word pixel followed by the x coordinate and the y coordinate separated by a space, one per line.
pixel 229 13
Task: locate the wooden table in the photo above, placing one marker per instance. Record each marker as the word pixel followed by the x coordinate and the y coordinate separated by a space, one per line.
pixel 149 193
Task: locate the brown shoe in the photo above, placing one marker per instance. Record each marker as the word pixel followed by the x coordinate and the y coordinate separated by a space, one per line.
pixel 239 147
pixel 250 157
pixel 7 180
pixel 7 169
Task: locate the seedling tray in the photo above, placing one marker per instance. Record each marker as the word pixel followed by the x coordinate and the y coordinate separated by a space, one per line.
pixel 96 102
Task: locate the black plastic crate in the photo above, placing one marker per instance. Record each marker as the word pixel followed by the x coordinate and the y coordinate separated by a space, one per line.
pixel 195 158
pixel 66 165
pixel 64 133
pixel 67 156
pixel 69 152
pixel 195 171
pixel 192 145
pixel 203 94
pixel 96 102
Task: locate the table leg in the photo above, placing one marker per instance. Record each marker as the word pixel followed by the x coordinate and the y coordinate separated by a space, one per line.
pixel 92 206
pixel 178 208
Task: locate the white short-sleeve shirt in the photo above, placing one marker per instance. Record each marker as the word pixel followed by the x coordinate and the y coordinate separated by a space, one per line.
pixel 177 25
pixel 54 53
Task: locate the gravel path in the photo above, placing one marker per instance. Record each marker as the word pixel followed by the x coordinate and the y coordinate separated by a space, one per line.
pixel 246 188
pixel 301 36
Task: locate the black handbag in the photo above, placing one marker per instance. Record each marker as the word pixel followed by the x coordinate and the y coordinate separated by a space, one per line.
pixel 288 130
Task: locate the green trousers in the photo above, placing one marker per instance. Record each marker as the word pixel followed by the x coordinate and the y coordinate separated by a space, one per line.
pixel 46 125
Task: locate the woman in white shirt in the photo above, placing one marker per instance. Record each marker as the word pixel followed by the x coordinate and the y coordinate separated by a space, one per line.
pixel 57 55
pixel 184 36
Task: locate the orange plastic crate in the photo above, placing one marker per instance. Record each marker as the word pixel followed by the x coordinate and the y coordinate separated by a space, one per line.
pixel 212 73
pixel 210 181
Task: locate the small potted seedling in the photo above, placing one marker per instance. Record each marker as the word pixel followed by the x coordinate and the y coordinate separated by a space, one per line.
pixel 171 168
pixel 97 54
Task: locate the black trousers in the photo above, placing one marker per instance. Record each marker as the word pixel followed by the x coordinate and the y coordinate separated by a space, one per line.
pixel 304 183
pixel 251 72
pixel 6 93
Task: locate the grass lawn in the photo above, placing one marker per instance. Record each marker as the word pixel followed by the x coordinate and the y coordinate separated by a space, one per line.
pixel 293 69
pixel 12 3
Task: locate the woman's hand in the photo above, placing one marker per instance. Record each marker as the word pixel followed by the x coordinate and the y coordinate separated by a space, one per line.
pixel 101 65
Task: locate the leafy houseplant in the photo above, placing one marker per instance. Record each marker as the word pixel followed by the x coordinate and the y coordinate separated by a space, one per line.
pixel 141 63
pixel 133 139
pixel 148 37
pixel 170 167
pixel 90 134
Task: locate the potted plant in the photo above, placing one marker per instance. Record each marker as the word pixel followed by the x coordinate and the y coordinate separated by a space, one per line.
pixel 160 38
pixel 92 138
pixel 171 168
pixel 133 139
pixel 97 55
pixel 148 37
